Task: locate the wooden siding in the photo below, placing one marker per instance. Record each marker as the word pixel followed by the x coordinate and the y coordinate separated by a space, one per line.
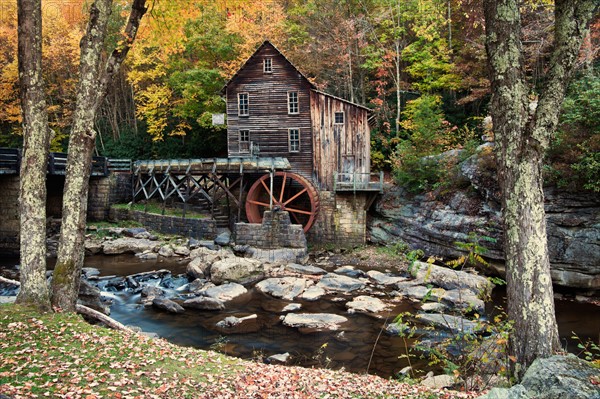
pixel 338 147
pixel 268 120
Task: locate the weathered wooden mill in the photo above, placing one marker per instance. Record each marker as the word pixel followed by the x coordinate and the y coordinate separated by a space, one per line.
pixel 290 147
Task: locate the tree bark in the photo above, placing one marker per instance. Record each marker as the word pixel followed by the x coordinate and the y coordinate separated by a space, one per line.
pixel 523 131
pixel 32 190
pixel 93 85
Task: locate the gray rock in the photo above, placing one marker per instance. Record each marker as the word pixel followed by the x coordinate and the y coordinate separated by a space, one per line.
pixel 292 307
pixel 385 279
pixel 287 288
pixel 515 392
pixel 312 293
pixel 238 270
pixel 198 268
pixel 150 291
pixel 210 244
pixel 439 381
pixel 396 328
pixel 7 299
pixel 366 304
pixel 463 299
pixel 127 245
pixel 350 271
pixel 168 305
pixel 447 322
pixel 225 292
pixel 302 269
pixel 133 231
pixel 181 250
pixel 193 243
pixel 238 325
pixel 419 292
pixel 199 284
pixel 223 239
pixel 450 279
pixel 204 303
pixel 93 247
pixel 280 358
pixel 147 255
pixel 166 251
pixel 310 322
pixel 434 307
pixel 342 284
pixel 88 272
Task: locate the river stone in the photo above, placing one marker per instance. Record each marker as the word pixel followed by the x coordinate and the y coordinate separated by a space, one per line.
pixel 133 231
pixel 419 292
pixel 385 279
pixel 342 284
pixel 225 292
pixel 312 293
pixel 314 321
pixel 280 358
pixel 198 268
pixel 166 251
pixel 204 303
pixel 515 392
pixel 237 270
pixel 366 304
pixel 181 250
pixel 291 307
pixel 223 239
pixel 350 271
pixel 127 245
pixel 238 325
pixel 168 305
pixel 147 255
pixel 434 307
pixel 450 279
pixel 88 272
pixel 151 291
pixel 302 269
pixel 453 324
pixel 287 288
pixel 439 381
pixel 463 299
pixel 93 247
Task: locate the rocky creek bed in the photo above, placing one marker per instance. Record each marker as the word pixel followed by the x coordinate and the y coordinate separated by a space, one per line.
pixel 329 311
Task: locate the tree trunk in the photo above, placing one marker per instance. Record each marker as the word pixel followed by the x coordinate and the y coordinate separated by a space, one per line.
pixel 32 190
pixel 93 85
pixel 523 132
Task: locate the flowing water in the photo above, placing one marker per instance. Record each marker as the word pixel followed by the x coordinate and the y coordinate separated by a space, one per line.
pixel 361 347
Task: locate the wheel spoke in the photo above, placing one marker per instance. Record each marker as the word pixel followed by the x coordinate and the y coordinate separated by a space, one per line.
pixel 258 203
pixel 298 211
pixel 266 188
pixel 295 196
pixel 296 218
pixel 282 188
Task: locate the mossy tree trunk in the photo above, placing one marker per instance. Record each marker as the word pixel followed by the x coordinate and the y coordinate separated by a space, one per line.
pixel 523 131
pixel 32 190
pixel 93 83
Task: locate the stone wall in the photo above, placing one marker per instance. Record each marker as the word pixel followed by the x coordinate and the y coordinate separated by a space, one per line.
pixel 276 231
pixel 194 228
pixel 341 221
pixel 9 214
pixel 114 189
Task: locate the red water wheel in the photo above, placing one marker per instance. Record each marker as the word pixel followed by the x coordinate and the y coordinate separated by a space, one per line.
pixel 290 192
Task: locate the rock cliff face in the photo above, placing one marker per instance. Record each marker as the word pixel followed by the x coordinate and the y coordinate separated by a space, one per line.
pixel 434 222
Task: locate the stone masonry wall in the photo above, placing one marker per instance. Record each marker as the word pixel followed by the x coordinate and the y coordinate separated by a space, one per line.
pixel 9 215
pixel 114 189
pixel 276 231
pixel 341 221
pixel 194 228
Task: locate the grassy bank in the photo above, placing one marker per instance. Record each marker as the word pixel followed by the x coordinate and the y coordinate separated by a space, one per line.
pixel 61 356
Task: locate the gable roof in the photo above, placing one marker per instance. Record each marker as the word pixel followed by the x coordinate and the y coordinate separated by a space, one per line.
pixel 264 44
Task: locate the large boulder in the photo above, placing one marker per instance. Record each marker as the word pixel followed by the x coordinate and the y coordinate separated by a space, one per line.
pixel 450 279
pixel 225 292
pixel 287 288
pixel 340 284
pixel 556 377
pixel 167 305
pixel 279 256
pixel 127 245
pixel 237 270
pixel 204 303
pixel 366 304
pixel 454 324
pixel 313 322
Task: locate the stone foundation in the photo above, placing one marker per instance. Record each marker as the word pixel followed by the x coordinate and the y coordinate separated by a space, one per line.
pixel 276 231
pixel 114 189
pixel 200 229
pixel 342 220
pixel 9 214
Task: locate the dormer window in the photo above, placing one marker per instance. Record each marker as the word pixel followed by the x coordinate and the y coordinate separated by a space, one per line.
pixel 268 65
pixel 293 107
pixel 243 104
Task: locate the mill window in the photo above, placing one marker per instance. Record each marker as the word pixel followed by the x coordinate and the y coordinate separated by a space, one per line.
pixel 244 141
pixel 293 102
pixel 294 140
pixel 268 65
pixel 243 104
pixel 339 118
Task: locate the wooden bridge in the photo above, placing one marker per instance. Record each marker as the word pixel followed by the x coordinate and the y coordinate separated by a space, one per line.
pixel 10 163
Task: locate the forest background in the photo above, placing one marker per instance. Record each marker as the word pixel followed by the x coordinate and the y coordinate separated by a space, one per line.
pixel 420 65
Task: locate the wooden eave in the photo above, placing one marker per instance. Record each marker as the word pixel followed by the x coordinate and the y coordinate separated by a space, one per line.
pixel 341 99
pixel 266 42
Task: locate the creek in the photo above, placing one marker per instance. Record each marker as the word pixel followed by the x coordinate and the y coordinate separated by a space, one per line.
pixel 360 346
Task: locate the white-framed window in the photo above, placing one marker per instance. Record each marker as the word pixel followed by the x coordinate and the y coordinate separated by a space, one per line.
pixel 268 65
pixel 293 107
pixel 243 104
pixel 244 140
pixel 294 139
pixel 338 118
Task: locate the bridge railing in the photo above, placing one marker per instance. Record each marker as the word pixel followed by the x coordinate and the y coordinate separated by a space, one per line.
pixel 358 181
pixel 10 162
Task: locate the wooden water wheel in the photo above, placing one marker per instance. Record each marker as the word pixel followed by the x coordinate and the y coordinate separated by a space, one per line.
pixel 290 192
